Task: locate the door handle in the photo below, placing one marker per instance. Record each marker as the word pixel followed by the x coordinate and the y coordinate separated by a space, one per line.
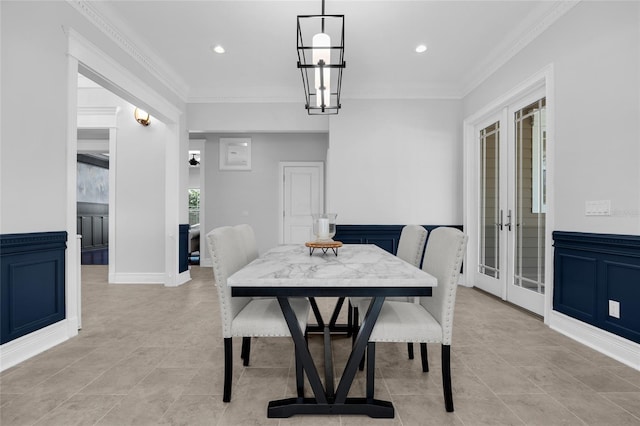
pixel 508 224
pixel 500 224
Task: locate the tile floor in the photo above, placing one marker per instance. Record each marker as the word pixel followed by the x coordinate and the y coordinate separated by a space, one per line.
pixel 150 355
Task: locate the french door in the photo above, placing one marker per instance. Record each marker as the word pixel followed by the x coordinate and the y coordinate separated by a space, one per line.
pixel 511 208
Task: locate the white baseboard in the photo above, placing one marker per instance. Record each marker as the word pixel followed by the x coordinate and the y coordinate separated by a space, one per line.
pixel 182 278
pixel 138 278
pixel 463 282
pixel 618 348
pixel 206 262
pixel 25 347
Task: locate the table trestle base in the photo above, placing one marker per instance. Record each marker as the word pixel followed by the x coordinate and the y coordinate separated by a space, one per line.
pixel 374 408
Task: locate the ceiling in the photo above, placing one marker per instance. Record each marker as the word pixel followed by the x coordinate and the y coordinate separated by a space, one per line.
pixel 466 40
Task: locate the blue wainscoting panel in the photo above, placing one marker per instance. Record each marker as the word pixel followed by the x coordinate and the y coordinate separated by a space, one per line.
pixel 32 280
pixel 578 293
pixel 384 236
pixel 591 269
pixel 183 247
pixel 622 283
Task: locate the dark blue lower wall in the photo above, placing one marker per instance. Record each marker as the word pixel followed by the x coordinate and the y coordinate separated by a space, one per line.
pixel 32 282
pixel 591 269
pixel 384 236
pixel 183 247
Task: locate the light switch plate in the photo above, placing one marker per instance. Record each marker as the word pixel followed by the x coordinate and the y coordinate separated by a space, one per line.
pixel 597 208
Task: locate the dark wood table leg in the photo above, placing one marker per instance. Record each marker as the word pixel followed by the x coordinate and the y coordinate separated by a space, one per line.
pixel 325 402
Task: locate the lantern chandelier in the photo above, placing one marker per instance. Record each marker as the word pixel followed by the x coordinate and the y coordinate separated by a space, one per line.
pixel 321 41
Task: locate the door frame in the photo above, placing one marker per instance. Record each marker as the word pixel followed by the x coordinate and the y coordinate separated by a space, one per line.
pixel 92 62
pixel 281 167
pixel 471 196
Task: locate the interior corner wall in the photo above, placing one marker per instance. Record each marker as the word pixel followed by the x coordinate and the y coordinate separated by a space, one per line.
pixel 234 197
pixel 396 162
pixel 595 52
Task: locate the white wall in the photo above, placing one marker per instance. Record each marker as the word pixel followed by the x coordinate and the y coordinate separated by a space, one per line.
pixel 253 117
pixel 234 197
pixel 34 120
pixel 139 166
pixel 140 196
pixel 595 52
pixel 396 162
pixel 194 177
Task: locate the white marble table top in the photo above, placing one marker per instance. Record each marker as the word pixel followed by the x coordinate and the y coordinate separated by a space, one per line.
pixel 356 265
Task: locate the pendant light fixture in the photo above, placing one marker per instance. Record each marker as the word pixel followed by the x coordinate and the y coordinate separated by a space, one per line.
pixel 321 41
pixel 193 162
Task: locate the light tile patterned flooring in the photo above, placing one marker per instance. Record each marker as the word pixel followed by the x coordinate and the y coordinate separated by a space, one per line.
pixel 151 355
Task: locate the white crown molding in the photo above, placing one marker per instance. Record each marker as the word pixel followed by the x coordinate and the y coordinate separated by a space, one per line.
pixel 91 117
pixel 163 73
pixel 506 51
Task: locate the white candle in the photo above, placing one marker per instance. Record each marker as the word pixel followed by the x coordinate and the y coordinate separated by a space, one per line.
pixel 323 228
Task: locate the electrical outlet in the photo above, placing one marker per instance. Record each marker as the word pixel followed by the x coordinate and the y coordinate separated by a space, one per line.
pixel 614 309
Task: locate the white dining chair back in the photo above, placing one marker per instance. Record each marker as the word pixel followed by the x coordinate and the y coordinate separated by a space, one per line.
pixel 443 259
pixel 249 242
pixel 411 244
pixel 228 256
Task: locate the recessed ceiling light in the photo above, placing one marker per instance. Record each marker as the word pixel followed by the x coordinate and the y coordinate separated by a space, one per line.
pixel 217 48
pixel 421 48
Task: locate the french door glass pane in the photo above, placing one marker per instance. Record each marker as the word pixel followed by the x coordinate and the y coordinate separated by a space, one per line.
pixel 530 196
pixel 489 201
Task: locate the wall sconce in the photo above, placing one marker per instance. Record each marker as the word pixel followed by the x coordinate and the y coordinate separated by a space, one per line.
pixel 142 116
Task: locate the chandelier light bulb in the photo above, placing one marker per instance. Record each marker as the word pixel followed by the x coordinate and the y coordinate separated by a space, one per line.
pixel 321 44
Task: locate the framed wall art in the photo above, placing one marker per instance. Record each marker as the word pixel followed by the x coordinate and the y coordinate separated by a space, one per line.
pixel 235 153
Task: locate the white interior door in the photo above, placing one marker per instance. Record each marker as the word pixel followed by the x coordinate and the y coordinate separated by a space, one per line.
pixel 302 195
pixel 511 208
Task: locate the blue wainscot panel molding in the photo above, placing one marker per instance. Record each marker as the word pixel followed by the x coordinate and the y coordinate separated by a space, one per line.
pixel 590 270
pixel 32 280
pixel 384 236
pixel 183 247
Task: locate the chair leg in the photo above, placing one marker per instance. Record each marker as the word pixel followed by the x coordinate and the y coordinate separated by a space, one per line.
pixel 371 370
pixel 246 350
pixel 446 378
pixel 410 350
pixel 423 355
pixel 228 369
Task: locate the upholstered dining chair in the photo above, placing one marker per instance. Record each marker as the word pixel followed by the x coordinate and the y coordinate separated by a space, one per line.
pixel 250 249
pixel 430 320
pixel 410 249
pixel 249 243
pixel 244 316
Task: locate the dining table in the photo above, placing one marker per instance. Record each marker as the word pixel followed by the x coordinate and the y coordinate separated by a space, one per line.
pixel 356 270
